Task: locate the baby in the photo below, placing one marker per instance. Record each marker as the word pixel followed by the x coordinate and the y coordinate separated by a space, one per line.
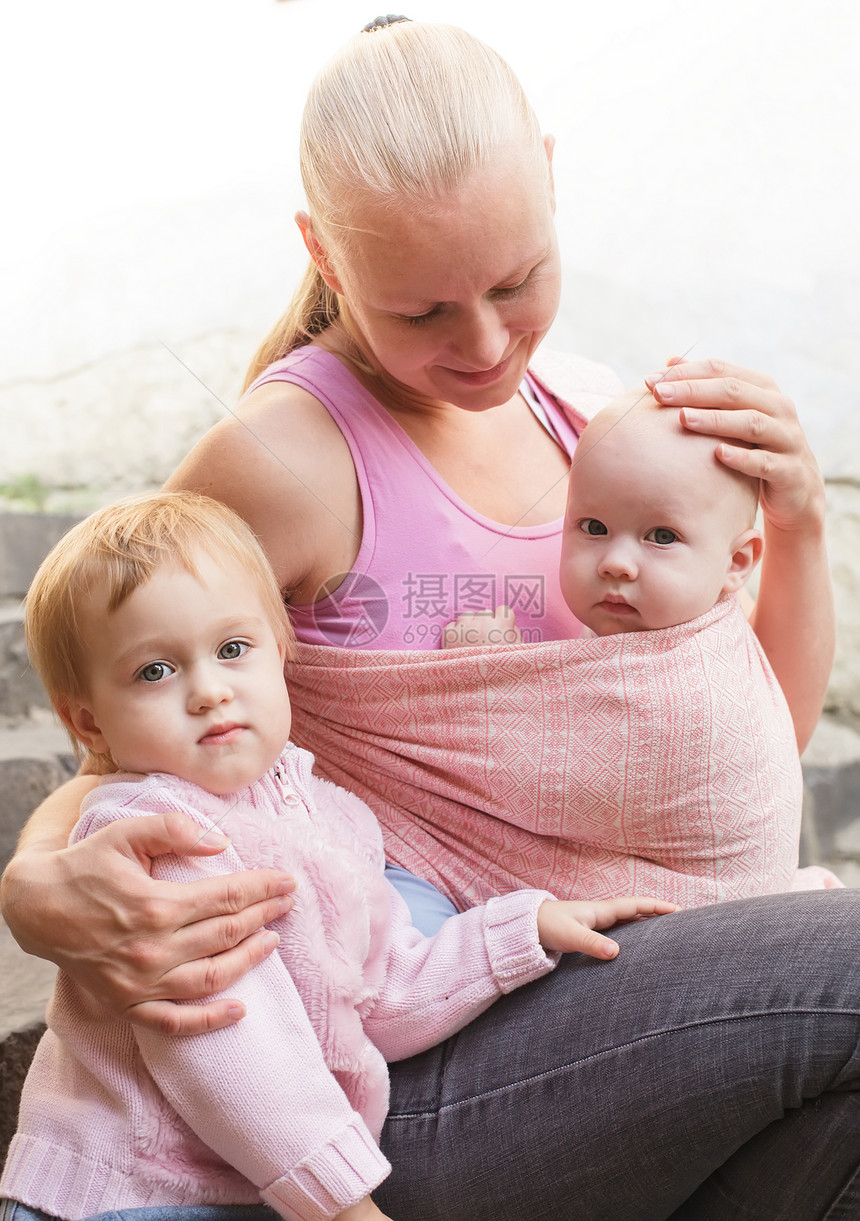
pixel 657 529
pixel 159 631
pixel 681 774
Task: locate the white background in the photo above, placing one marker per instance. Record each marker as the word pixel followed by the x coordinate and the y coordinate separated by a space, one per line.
pixel 707 170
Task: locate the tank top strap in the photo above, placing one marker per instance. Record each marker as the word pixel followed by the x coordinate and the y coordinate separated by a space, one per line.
pixel 426 556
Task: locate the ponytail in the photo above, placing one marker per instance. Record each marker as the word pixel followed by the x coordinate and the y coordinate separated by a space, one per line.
pixel 314 307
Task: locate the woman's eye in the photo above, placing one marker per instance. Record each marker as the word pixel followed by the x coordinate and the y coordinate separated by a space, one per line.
pixel 417 319
pixel 513 290
pixel 662 536
pixel 590 525
pixel 156 671
pixel 233 649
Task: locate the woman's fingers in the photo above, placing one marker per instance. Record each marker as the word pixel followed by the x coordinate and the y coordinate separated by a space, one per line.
pixel 122 935
pixel 708 369
pixel 143 838
pixel 165 1017
pixel 203 978
pixel 721 396
pixel 231 902
pixel 763 435
pixel 210 938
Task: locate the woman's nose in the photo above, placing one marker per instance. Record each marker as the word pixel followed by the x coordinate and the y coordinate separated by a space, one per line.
pixel 480 338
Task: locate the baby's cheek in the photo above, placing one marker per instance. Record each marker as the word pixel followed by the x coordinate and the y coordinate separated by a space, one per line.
pixel 569 576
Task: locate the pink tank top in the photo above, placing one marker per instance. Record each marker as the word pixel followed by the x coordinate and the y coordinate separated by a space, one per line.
pixel 425 556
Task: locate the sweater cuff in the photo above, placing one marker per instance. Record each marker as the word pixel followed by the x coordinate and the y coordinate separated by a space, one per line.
pixel 339 1174
pixel 511 935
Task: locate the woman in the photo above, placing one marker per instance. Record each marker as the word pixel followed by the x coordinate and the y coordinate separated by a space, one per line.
pixel 712 1071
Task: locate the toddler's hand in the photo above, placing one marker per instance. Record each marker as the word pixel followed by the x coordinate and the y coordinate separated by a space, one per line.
pixel 365 1210
pixel 570 927
pixel 497 626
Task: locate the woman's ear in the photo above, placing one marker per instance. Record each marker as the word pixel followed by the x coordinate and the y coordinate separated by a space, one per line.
pixel 79 720
pixel 317 252
pixel 746 553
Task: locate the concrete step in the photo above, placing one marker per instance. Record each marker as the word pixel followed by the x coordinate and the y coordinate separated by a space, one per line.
pixel 20 689
pixel 27 985
pixel 831 813
pixel 25 538
pixel 35 758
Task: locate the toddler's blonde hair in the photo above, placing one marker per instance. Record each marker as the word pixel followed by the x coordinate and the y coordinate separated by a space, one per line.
pixel 116 550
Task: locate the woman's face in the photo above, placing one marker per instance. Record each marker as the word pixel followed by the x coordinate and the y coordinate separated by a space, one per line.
pixel 453 300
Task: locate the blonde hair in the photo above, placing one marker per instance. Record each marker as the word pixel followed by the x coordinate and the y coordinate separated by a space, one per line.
pixel 116 550
pixel 403 113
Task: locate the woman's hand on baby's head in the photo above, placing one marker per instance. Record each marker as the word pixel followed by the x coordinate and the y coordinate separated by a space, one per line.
pixel 484 627
pixel 570 926
pixel 730 402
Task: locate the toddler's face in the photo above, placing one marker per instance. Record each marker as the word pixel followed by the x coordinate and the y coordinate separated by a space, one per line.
pixel 186 677
pixel 649 533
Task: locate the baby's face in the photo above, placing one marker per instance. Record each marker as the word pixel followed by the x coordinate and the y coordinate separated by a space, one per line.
pixel 650 530
pixel 186 677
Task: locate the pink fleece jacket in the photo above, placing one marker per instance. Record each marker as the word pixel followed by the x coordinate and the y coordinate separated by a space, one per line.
pixel 287 1105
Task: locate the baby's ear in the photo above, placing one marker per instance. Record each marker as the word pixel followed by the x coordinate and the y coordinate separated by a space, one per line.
pixel 746 553
pixel 79 720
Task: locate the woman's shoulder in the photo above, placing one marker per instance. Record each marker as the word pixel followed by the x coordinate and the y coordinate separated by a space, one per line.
pixel 281 462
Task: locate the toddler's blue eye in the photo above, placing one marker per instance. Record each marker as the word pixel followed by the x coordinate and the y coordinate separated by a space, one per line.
pixel 590 525
pixel 233 649
pixel 661 535
pixel 156 671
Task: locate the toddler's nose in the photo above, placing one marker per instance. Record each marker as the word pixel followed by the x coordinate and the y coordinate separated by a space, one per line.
pixel 208 689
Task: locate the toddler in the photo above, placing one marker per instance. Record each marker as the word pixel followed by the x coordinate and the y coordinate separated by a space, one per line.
pixel 159 630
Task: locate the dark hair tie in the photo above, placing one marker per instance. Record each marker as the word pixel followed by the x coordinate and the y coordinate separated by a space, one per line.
pixel 379 23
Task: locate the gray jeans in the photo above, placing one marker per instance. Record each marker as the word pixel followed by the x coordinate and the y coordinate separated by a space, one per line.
pixel 709 1073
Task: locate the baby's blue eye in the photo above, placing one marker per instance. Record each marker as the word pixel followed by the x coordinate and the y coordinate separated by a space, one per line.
pixel 156 671
pixel 233 649
pixel 661 535
pixel 590 525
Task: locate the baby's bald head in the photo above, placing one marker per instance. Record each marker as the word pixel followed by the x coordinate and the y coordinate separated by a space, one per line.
pixel 635 419
pixel 657 528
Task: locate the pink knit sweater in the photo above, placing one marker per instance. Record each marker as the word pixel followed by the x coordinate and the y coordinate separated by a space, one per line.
pixel 285 1106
